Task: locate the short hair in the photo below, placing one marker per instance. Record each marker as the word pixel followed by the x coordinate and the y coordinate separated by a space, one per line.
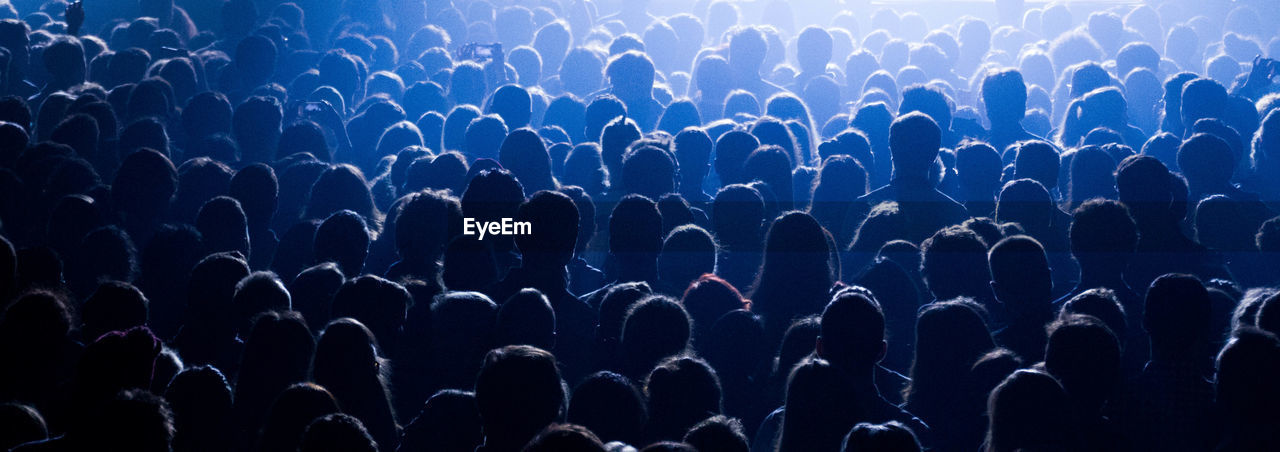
pixel 1177 312
pixel 1005 95
pixel 1102 226
pixel 554 221
pixel 951 258
pixel 336 432
pixel 914 140
pixel 565 438
pixel 718 433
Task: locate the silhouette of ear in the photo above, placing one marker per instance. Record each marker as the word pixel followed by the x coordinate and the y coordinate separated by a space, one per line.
pixel 884 350
pixel 819 349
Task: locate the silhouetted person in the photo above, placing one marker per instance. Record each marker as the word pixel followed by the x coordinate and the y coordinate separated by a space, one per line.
pixel 519 392
pixel 1021 281
pixel 1029 410
pixel 1169 405
pixel 914 140
pixel 610 405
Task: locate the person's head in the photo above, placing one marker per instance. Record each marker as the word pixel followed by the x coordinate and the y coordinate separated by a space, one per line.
pixel 1207 163
pixel 954 263
pixel 256 188
pixel 425 223
pixel 682 391
pixel 582 72
pixel 1028 410
pixel 891 436
pixel 1177 317
pixel 566 438
pixel 340 187
pixel 519 392
pixel 610 405
pixel 24 424
pixel 852 336
pixel 797 272
pixel 820 406
pixel 343 238
pixel 336 432
pixel 1020 276
pixel 290 413
pixel 687 253
pixel 648 171
pixel 654 328
pixel 738 216
pixel 731 151
pixel 692 148
pixel 747 49
pixel 1084 355
pixel 950 337
pixel 1037 160
pixel 631 75
pixel 718 433
pixel 133 419
pixel 1102 234
pixel 914 140
pixel 1005 96
pixel 1245 366
pixel 635 227
pixel 256 127
pixel 930 101
pixel 813 49
pixel 114 306
pixel 223 226
pixel 1202 98
pixel 978 168
pixel 526 318
pixel 615 138
pixel 379 304
pixel 1145 186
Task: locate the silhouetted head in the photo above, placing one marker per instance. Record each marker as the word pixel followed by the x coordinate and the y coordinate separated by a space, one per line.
pixel 820 405
pixel 1102 231
pixel 891 436
pixel 1202 98
pixel 1005 96
pixel 425 223
pixel 950 337
pixel 682 391
pixel 610 405
pixel 718 433
pixel 1084 355
pixel 1020 274
pixel 656 327
pixel 336 432
pixel 114 306
pixel 914 140
pixel 1028 410
pixel 565 437
pixel 519 392
pixel 954 263
pixel 526 318
pixel 1207 163
pixel 223 226
pixel 1244 367
pixel 687 253
pixel 1177 316
pixel 343 238
pixel 852 335
pixel 132 419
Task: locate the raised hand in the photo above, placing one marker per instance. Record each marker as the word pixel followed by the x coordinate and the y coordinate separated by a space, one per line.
pixel 75 17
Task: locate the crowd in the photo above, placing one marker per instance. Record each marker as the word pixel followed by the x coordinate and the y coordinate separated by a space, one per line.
pixel 748 226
